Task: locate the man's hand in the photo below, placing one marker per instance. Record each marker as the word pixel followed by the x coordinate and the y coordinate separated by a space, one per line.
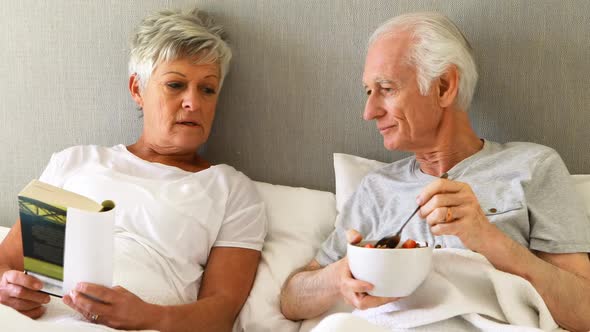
pixel 114 307
pixel 21 292
pixel 451 208
pixel 352 290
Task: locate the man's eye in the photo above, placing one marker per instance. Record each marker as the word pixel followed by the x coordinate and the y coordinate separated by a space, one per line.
pixel 368 92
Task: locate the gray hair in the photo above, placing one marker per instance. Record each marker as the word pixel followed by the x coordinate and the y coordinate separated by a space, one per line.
pixel 437 44
pixel 170 35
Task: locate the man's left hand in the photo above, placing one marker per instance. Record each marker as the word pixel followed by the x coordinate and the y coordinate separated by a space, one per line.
pixel 451 208
pixel 114 307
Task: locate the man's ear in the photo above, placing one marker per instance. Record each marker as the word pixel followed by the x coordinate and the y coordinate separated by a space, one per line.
pixel 135 90
pixel 448 87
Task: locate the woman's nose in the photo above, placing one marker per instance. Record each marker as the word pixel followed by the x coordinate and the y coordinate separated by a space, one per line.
pixel 190 100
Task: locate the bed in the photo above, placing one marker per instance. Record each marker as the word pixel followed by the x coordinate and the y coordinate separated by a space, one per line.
pixel 299 219
pixel 289 114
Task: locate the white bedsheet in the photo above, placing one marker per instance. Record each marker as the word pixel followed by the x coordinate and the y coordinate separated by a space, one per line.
pixel 464 292
pixel 58 318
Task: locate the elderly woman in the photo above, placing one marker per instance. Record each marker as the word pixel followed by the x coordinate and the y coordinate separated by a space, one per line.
pixel 188 233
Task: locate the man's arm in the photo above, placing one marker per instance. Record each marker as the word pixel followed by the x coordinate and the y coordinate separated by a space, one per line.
pixel 562 280
pixel 309 291
pixel 312 290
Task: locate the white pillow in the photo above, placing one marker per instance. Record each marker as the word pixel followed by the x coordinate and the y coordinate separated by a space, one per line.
pixel 582 183
pixel 299 220
pixel 350 170
pixel 3 232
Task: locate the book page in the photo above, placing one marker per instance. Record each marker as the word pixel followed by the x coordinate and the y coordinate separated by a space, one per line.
pixel 88 253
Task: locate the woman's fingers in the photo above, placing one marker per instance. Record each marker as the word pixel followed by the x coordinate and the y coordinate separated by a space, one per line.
pixel 34 313
pixel 85 304
pixel 20 292
pixel 21 305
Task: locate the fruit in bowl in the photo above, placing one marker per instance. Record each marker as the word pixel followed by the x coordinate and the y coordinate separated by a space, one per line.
pixel 394 272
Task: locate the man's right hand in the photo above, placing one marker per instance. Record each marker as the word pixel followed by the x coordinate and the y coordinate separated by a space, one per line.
pixel 21 292
pixel 354 291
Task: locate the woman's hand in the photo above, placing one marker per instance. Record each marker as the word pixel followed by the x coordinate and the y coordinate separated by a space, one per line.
pixel 451 208
pixel 114 307
pixel 21 292
pixel 352 290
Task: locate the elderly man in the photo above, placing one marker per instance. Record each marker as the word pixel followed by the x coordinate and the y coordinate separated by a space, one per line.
pixel 512 203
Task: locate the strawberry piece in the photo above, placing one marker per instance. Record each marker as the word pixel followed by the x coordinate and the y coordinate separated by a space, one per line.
pixel 409 244
pixel 369 245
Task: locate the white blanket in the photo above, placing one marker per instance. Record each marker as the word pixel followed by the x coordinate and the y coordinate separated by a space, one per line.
pixel 58 318
pixel 462 293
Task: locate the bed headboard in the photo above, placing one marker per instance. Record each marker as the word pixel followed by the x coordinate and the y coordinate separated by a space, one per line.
pixel 294 94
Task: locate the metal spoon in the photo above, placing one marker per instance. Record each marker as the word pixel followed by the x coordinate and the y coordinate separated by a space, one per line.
pixel 392 241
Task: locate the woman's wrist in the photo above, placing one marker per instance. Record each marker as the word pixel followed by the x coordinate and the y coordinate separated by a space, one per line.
pixel 156 317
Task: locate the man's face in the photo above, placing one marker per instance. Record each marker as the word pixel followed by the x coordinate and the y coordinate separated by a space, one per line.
pixel 406 119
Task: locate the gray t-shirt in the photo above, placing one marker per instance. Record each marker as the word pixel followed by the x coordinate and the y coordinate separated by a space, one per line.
pixel 523 188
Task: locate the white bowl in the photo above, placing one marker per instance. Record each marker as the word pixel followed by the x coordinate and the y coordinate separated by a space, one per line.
pixel 393 272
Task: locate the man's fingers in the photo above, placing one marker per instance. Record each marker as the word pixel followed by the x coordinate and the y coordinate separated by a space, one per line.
pixel 20 278
pixel 440 186
pixel 365 301
pixel 357 286
pixel 353 236
pixel 437 201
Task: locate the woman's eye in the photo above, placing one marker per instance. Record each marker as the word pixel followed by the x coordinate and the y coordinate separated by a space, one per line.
pixel 175 85
pixel 209 91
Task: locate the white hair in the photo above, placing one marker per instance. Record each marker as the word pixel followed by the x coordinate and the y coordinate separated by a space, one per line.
pixel 437 44
pixel 171 34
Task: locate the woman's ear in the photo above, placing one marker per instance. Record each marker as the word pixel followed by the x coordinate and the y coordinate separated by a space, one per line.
pixel 135 90
pixel 448 87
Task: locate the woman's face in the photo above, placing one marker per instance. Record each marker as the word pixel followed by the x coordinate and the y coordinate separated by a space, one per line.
pixel 178 105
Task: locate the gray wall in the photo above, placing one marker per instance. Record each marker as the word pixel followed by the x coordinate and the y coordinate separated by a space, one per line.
pixel 294 94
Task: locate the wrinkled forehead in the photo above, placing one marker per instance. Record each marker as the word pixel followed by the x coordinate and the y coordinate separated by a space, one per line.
pixel 388 58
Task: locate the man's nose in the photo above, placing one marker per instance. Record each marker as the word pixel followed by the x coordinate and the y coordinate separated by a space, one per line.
pixel 372 109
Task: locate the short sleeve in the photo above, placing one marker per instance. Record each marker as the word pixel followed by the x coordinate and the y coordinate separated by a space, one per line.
pixel 52 173
pixel 558 221
pixel 245 223
pixel 360 212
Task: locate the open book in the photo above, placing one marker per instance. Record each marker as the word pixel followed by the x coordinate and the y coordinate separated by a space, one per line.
pixel 66 237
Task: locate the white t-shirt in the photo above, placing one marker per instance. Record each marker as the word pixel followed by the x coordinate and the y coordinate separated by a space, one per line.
pixel 167 219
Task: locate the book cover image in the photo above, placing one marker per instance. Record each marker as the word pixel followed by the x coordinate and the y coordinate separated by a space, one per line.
pixel 43 232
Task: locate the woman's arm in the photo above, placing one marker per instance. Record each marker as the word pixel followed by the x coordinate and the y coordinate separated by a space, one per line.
pixel 18 290
pixel 226 283
pixel 11 250
pixel 229 276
